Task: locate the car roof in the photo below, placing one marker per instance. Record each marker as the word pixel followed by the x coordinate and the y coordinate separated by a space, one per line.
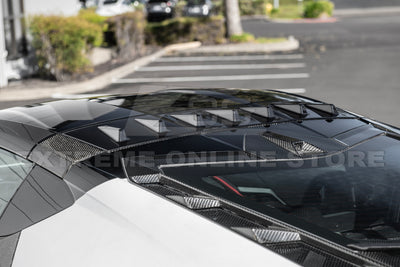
pixel 113 123
pixel 64 115
pixel 70 132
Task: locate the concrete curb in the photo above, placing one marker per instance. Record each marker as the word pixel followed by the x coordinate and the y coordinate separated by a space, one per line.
pixel 289 45
pixel 304 20
pixel 299 20
pixel 254 17
pixel 96 83
pixel 337 12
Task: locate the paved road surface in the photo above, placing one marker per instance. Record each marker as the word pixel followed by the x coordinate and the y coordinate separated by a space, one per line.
pixel 354 63
pixel 343 4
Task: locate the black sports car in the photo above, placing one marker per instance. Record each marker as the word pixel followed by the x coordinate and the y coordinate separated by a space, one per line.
pixel 212 177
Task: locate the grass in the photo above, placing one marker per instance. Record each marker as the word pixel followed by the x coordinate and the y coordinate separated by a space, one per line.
pixel 249 38
pixel 264 40
pixel 290 9
pixel 288 12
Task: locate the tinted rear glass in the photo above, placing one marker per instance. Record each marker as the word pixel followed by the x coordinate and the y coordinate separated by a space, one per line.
pixel 355 194
pixel 178 100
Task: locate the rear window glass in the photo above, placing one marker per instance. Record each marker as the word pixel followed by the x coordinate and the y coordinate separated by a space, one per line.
pixel 355 194
pixel 13 170
pixel 177 100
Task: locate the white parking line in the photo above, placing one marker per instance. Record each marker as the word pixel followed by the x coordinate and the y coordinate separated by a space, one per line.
pixel 224 67
pixel 229 58
pixel 215 78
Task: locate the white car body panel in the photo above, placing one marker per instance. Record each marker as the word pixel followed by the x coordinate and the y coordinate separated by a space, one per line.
pixel 120 224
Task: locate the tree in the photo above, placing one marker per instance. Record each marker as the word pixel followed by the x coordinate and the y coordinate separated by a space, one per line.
pixel 232 16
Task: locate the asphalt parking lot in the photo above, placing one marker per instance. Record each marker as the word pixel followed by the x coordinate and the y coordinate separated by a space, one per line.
pixel 353 63
pixel 258 71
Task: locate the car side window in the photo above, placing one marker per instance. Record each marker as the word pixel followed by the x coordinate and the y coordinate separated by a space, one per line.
pixel 13 171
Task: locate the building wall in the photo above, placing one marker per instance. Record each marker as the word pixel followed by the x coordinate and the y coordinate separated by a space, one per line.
pixel 15 57
pixel 51 7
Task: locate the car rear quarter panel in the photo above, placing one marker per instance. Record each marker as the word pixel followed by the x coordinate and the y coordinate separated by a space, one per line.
pixel 120 224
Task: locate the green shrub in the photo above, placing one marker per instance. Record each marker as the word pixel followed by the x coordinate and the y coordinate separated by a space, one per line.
pixel 179 8
pixel 253 7
pixel 206 30
pixel 218 7
pixel 127 30
pixel 317 9
pixel 274 11
pixel 246 7
pixel 91 16
pixel 242 38
pixel 62 43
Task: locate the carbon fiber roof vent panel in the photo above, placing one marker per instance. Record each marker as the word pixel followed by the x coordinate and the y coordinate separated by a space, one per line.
pixel 260 111
pixel 228 218
pixel 297 109
pixel 376 245
pixel 116 134
pixel 307 255
pixel 156 125
pixel 196 202
pixel 227 114
pixel 147 179
pixel 70 148
pixel 267 235
pixel 298 147
pixel 162 190
pixel 324 108
pixel 193 119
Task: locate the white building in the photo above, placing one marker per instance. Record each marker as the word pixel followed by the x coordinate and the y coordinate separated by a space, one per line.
pixel 51 7
pixel 13 36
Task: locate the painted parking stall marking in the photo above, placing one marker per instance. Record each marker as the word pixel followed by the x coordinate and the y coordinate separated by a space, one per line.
pixel 209 69
pixel 216 78
pixel 229 58
pixel 224 67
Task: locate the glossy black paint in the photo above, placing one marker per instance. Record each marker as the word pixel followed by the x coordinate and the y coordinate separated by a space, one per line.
pixel 40 195
pixel 64 115
pixel 81 179
pixel 25 130
pixel 20 138
pixel 8 245
pixel 21 128
pixel 50 160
